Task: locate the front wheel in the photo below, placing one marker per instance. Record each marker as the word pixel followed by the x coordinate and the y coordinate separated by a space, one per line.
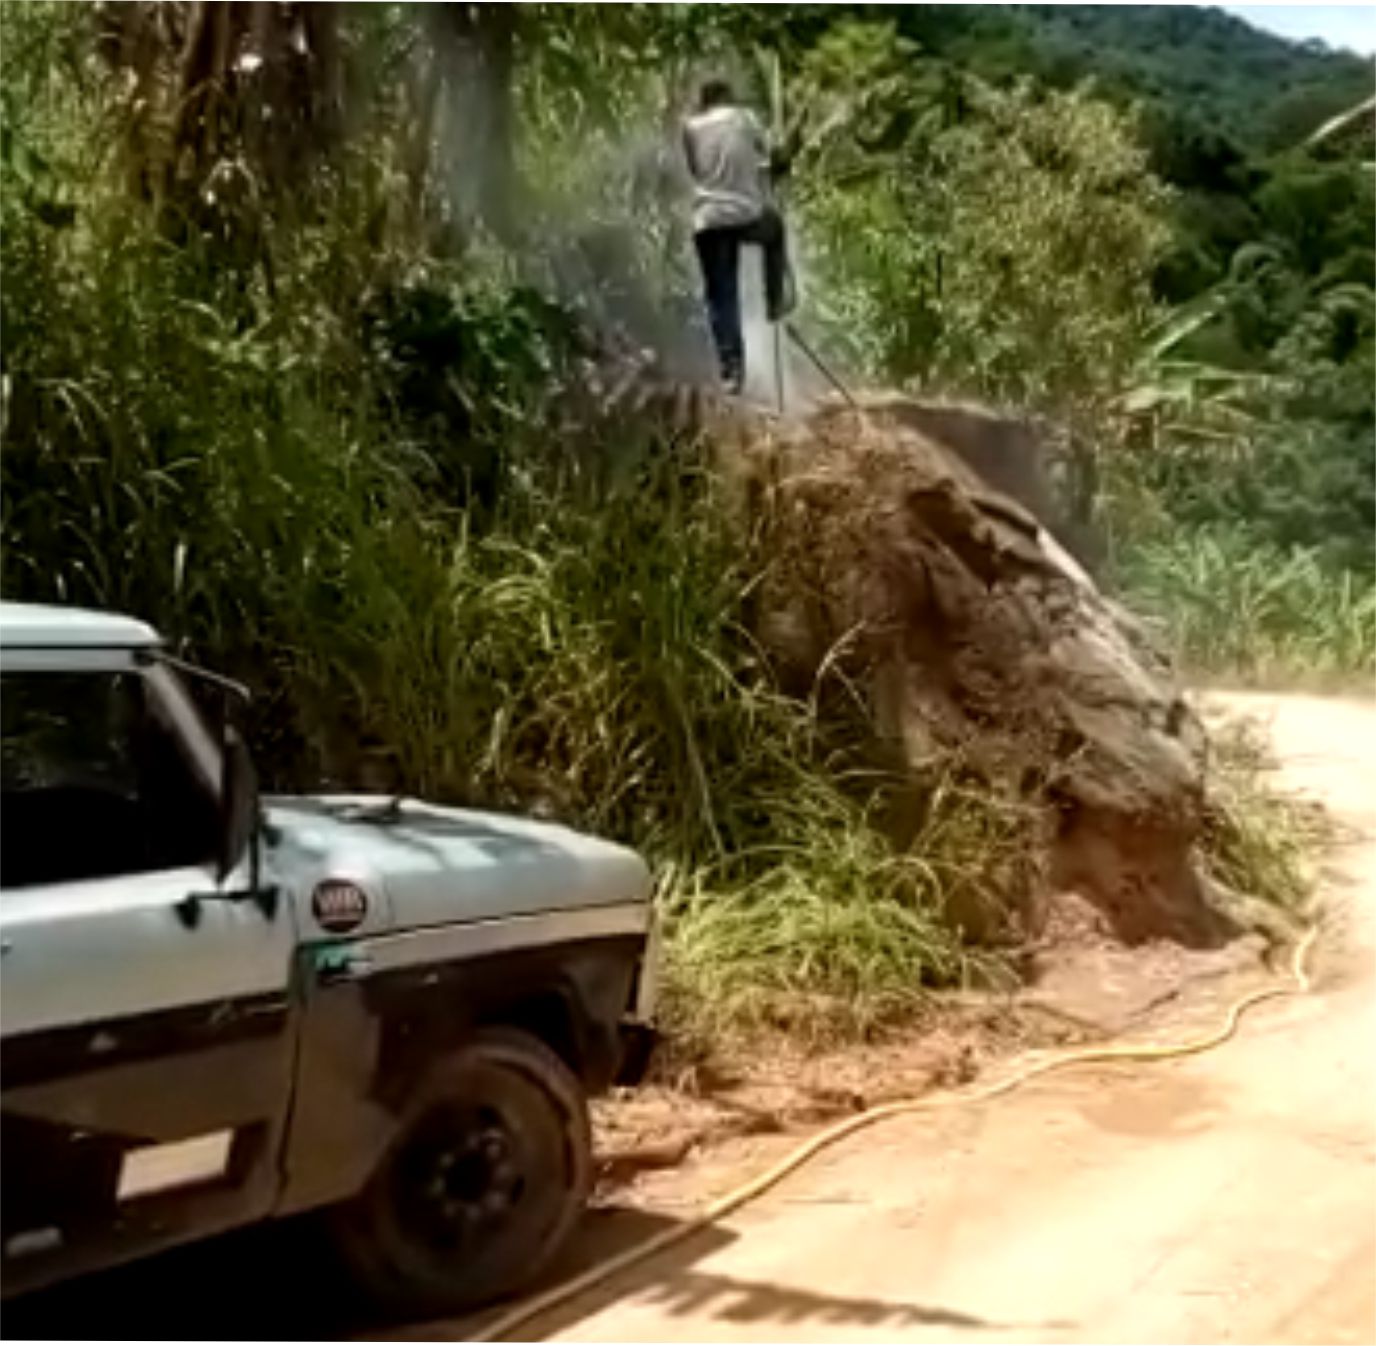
pixel 483 1184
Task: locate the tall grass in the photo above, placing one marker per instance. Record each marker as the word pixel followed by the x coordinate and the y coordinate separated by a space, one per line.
pixel 1237 607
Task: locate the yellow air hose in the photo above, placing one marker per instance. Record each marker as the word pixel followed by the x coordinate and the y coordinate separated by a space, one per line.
pixel 723 1206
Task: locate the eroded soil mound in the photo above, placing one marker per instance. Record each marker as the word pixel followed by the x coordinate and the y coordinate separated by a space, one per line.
pixel 973 636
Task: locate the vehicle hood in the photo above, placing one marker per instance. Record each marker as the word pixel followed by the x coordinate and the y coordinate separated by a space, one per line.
pixel 422 865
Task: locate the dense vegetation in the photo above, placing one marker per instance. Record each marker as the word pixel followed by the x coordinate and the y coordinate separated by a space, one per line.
pixel 1173 262
pixel 309 313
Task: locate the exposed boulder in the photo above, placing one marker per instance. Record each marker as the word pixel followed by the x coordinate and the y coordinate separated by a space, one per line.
pixel 972 633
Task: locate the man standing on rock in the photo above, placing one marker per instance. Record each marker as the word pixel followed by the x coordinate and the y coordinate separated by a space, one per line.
pixel 728 156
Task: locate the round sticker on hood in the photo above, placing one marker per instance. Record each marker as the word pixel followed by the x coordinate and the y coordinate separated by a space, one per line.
pixel 338 905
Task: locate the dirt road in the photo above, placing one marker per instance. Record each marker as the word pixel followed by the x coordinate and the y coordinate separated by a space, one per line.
pixel 1231 1197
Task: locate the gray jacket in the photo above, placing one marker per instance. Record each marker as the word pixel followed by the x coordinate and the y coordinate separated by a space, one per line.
pixel 728 155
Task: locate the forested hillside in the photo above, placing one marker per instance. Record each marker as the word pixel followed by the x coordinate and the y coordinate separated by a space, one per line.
pixel 1201 66
pixel 318 321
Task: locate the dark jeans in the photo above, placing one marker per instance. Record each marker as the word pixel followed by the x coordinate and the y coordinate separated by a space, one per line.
pixel 719 255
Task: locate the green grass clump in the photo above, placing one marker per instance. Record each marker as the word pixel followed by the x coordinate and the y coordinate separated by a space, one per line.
pixel 841 933
pixel 1257 841
pixel 1232 606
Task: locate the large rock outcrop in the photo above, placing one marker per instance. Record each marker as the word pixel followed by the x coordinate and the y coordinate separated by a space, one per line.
pixel 974 634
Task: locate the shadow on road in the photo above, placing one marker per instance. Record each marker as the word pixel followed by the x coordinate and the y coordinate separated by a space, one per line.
pixel 277 1282
pixel 700 1294
pixel 669 1286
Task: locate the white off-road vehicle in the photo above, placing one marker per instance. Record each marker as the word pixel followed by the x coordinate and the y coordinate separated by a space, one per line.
pixel 218 1009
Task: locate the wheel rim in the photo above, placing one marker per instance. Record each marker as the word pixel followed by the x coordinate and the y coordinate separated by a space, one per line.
pixel 461 1178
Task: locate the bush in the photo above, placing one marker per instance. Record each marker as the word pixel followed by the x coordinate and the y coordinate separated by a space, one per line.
pixel 995 242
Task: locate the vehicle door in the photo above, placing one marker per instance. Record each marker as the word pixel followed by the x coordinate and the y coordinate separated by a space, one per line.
pixel 144 1000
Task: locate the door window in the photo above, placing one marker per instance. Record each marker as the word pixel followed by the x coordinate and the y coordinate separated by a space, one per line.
pixel 95 781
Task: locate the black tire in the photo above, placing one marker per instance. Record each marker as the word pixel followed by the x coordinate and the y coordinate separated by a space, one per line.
pixel 481 1187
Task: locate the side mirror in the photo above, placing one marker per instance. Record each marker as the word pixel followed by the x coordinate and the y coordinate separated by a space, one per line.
pixel 238 802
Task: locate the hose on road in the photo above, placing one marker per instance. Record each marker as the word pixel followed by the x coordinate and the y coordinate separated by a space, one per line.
pixel 723 1206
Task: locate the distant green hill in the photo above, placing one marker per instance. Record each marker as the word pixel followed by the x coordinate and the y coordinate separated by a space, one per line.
pixel 1262 90
pixel 1190 64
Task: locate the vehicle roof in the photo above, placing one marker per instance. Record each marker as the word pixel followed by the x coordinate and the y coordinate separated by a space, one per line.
pixel 42 626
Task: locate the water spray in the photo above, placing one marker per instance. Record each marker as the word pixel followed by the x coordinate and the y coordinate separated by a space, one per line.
pixel 818 363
